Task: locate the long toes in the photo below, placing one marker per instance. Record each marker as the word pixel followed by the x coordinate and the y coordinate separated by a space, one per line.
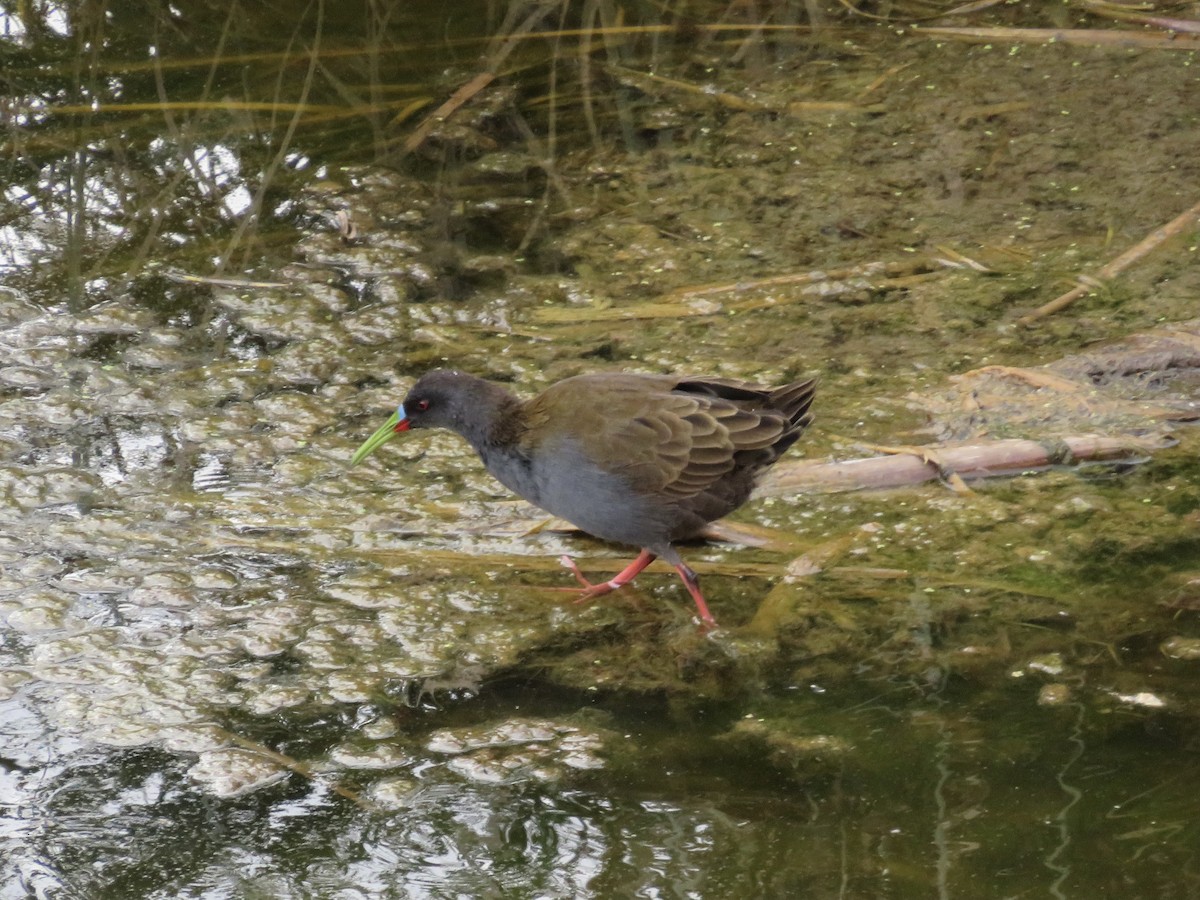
pixel 592 591
pixel 567 563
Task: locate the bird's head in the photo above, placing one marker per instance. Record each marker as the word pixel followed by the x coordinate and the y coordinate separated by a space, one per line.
pixel 440 399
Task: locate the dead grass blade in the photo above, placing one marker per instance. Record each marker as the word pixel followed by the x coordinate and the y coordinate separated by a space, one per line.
pixel 240 283
pixel 1124 14
pixel 812 276
pixel 1082 37
pixel 695 300
pixel 575 315
pixel 270 106
pixel 704 94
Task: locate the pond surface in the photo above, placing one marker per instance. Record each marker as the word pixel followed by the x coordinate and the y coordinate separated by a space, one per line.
pixel 230 666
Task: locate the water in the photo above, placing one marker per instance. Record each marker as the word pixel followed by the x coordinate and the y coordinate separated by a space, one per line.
pixel 230 666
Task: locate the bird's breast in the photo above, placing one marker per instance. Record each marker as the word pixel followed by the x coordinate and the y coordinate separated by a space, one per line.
pixel 514 470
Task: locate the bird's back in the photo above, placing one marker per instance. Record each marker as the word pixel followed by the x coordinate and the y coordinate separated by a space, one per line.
pixel 646 459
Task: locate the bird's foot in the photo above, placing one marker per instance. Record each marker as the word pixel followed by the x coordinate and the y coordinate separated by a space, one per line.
pixel 692 582
pixel 567 563
pixel 590 590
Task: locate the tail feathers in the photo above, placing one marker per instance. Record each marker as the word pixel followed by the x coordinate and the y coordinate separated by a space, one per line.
pixel 793 400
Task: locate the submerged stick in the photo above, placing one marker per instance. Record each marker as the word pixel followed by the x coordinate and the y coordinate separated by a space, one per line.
pixel 1089 283
pixel 981 460
pixel 447 109
pixel 503 47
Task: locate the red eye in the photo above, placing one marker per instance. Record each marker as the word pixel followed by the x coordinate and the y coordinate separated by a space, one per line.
pixel 422 405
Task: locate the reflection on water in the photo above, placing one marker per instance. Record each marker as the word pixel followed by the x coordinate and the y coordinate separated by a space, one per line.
pixel 230 666
pixel 983 796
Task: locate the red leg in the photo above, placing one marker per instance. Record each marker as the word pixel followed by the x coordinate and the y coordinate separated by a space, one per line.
pixel 623 577
pixel 692 583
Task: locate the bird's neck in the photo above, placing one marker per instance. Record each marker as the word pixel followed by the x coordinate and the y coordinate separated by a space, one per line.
pixel 498 423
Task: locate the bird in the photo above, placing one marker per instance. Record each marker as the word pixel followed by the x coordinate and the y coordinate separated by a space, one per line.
pixel 645 460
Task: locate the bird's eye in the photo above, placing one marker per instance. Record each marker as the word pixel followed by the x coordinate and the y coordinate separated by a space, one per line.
pixel 422 405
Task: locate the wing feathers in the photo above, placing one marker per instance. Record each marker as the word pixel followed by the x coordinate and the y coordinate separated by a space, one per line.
pixel 678 437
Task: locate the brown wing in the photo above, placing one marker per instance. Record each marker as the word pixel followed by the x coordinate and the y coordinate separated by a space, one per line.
pixel 663 442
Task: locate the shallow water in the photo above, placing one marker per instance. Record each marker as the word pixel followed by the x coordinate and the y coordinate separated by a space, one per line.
pixel 230 666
